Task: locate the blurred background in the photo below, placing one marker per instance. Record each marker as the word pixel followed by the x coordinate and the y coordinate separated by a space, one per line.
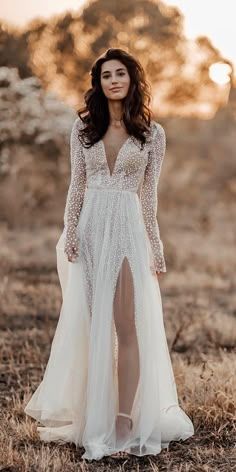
pixel 188 50
pixel 189 54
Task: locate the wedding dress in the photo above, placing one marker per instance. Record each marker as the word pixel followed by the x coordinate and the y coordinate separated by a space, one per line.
pixel 112 217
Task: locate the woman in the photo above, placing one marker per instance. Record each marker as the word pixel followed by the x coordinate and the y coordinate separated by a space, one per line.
pixel 109 384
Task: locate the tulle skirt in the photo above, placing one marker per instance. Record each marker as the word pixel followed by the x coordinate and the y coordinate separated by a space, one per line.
pixel 77 401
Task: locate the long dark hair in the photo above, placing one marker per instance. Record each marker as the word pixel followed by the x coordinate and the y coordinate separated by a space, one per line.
pixel 136 112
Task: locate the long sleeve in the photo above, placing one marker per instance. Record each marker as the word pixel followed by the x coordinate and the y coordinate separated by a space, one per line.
pixel 75 195
pixel 149 195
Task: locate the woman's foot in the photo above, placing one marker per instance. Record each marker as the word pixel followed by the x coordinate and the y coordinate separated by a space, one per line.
pixel 124 425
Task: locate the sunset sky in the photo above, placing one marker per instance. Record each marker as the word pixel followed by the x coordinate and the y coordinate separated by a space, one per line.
pixel 213 18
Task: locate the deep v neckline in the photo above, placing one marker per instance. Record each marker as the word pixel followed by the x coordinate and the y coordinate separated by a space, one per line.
pixel 117 157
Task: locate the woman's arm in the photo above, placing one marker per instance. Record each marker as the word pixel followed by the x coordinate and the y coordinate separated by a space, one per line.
pixel 75 196
pixel 149 196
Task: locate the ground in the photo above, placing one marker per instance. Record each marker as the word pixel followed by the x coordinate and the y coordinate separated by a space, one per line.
pixel 199 314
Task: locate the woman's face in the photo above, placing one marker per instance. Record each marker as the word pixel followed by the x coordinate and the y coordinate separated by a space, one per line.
pixel 114 74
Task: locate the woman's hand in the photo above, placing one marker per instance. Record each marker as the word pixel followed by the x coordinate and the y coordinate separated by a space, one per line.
pixel 72 252
pixel 154 272
pixel 74 256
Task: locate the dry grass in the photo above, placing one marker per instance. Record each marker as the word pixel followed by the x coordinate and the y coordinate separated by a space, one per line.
pixel 199 313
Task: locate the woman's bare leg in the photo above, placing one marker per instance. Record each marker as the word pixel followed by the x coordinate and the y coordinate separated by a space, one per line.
pixel 128 351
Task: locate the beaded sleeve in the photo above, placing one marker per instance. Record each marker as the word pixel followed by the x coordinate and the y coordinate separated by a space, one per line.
pixel 75 195
pixel 149 195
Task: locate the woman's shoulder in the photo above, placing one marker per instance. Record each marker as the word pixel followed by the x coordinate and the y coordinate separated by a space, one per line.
pixel 155 130
pixel 78 123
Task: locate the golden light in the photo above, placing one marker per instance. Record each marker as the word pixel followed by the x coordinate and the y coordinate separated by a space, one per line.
pixel 220 72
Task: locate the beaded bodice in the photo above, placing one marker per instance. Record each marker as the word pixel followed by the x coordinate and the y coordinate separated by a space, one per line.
pixel 135 169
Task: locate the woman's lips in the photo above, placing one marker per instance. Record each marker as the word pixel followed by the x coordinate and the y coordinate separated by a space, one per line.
pixel 116 89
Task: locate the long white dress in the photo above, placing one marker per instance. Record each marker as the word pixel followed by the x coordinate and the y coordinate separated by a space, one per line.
pixel 113 220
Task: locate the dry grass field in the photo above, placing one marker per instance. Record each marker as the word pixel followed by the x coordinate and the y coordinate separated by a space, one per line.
pixel 199 300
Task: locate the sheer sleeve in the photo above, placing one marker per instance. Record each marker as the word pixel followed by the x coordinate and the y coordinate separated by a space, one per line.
pixel 149 195
pixel 75 195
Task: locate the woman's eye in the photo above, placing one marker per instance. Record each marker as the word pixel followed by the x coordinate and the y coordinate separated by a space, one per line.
pixel 107 76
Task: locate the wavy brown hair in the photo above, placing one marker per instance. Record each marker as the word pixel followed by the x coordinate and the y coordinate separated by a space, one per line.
pixel 136 112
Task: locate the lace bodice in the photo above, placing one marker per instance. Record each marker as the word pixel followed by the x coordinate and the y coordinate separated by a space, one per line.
pixel 135 169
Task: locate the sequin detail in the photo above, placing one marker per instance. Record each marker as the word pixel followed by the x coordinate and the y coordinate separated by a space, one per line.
pixel 149 195
pixel 75 195
pixel 136 170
